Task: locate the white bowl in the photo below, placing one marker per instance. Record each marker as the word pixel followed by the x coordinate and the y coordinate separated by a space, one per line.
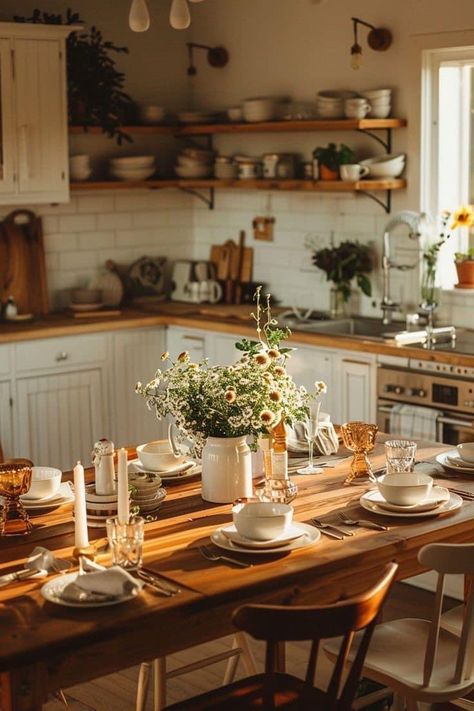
pixel 225 171
pixel 405 489
pixel 385 166
pixel 193 162
pixel 339 94
pixel 380 113
pixel 261 521
pixel 259 109
pixel 200 154
pixel 45 482
pixel 188 171
pixel 158 456
pixel 377 93
pixel 466 451
pixel 79 174
pixel 133 162
pixel 235 113
pixel 132 173
pixel 333 112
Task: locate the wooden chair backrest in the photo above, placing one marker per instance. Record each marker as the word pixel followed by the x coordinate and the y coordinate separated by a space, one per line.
pixel 1 454
pixel 275 623
pixel 450 559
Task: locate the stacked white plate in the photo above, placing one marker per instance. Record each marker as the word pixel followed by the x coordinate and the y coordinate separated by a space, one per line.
pixel 64 495
pixel 298 535
pixel 132 168
pixel 147 492
pixel 453 462
pixel 187 470
pixel 439 501
pixel 330 104
pixel 99 507
pixel 194 163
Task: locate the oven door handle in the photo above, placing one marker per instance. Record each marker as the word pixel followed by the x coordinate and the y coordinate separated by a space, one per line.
pixel 442 420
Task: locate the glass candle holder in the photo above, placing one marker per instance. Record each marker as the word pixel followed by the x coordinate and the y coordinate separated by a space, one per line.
pixel 400 456
pixel 359 437
pixel 126 542
pixel 15 480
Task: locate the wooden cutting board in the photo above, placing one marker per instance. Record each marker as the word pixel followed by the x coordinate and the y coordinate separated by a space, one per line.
pixel 247 260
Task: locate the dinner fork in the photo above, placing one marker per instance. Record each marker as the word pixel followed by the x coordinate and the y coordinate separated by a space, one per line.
pixel 363 523
pixel 332 527
pixel 209 554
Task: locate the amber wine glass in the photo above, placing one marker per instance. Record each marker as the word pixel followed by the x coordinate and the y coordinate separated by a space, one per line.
pixel 359 437
pixel 15 480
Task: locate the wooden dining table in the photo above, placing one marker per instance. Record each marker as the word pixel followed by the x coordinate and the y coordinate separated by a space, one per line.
pixel 45 647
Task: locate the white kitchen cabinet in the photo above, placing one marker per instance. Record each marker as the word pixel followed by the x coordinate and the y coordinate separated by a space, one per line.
pixel 6 424
pixel 196 342
pixel 34 139
pixel 58 417
pixel 223 349
pixel 356 384
pixel 308 364
pixel 136 356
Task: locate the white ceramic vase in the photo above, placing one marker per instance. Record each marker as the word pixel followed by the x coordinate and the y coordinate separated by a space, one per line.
pixel 226 469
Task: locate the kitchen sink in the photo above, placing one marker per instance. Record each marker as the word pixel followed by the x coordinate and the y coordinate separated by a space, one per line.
pixel 355 327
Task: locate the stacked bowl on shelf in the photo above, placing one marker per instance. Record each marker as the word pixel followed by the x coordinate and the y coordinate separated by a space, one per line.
pixel 79 167
pixel 330 104
pixel 386 165
pixel 194 163
pixel 133 168
pixel 380 101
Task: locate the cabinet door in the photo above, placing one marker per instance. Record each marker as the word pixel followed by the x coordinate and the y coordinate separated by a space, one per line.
pixel 7 137
pixel 136 357
pixel 41 122
pixel 356 390
pixel 59 417
pixel 307 365
pixel 6 431
pixel 195 342
pixel 224 350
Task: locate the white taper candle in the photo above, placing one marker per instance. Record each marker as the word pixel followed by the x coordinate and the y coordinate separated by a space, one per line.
pixel 122 488
pixel 81 538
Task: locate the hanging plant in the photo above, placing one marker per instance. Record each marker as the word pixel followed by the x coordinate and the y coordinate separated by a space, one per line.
pixel 94 84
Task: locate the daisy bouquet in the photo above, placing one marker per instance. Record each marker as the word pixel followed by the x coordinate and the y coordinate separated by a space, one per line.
pixel 247 398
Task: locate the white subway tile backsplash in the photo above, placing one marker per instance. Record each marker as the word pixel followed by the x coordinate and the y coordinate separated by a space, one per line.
pixel 77 223
pixel 57 242
pixel 78 260
pixel 114 221
pixel 96 240
pixel 96 204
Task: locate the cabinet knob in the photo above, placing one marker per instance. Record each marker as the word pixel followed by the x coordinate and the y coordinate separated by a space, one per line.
pixel 62 356
pixel 416 392
pixel 397 389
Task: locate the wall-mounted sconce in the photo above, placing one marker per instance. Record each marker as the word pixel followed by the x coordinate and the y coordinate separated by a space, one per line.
pixel 379 39
pixel 217 57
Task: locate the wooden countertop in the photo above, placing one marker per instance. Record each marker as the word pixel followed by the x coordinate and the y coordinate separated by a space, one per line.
pixel 219 318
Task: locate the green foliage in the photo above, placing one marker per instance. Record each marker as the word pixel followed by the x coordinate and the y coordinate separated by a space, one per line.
pixel 344 263
pixel 332 157
pixel 465 256
pixel 95 86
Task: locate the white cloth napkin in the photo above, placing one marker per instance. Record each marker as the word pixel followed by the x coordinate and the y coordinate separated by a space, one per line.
pixel 413 422
pixel 113 582
pixel 325 439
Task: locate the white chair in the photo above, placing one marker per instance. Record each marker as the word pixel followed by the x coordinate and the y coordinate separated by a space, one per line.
pixel 418 659
pixel 240 647
pixel 452 621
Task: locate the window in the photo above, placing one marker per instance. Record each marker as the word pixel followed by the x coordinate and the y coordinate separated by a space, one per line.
pixel 447 174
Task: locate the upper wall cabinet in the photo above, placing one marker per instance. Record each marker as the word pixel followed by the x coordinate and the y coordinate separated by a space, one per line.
pixel 33 139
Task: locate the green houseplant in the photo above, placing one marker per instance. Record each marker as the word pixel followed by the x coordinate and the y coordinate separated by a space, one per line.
pixel 330 158
pixel 465 268
pixel 95 86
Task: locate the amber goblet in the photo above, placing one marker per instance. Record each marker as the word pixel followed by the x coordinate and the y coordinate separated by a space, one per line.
pixel 359 437
pixel 15 480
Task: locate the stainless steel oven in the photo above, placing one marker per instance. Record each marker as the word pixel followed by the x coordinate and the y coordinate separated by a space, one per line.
pixel 447 388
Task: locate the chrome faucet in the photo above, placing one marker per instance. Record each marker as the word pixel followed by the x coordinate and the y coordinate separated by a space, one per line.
pixel 412 220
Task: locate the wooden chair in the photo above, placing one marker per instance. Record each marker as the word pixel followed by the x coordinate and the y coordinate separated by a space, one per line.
pixel 157 668
pixel 276 624
pixel 418 659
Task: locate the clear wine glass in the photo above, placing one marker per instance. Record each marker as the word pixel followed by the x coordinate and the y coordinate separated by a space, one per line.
pixel 311 427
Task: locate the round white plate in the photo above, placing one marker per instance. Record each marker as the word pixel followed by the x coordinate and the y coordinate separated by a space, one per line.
pixel 310 535
pixel 137 466
pixel 233 535
pixel 444 460
pixel 188 474
pixel 458 461
pixel 437 496
pixel 65 496
pixel 51 591
pixel 368 501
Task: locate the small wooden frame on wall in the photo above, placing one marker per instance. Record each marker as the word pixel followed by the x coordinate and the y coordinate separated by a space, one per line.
pixel 263 228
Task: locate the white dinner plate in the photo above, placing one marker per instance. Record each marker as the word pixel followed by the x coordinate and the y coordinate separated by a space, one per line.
pixel 293 532
pixel 458 461
pixel 369 502
pixel 51 591
pixel 137 466
pixel 65 495
pixel 182 476
pixel 445 459
pixel 437 496
pixel 309 535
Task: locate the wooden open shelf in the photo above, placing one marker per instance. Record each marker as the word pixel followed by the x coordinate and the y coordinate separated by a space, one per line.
pixel 328 186
pixel 262 127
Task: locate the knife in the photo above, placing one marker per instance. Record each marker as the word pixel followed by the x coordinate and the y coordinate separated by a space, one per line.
pixel 22 574
pixel 329 534
pixel 372 524
pixel 157 582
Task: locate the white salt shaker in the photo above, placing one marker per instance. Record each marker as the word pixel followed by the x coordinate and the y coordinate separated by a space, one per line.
pixel 103 461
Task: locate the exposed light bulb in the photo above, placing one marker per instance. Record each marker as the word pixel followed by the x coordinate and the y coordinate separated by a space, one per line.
pixel 356 56
pixel 180 17
pixel 139 17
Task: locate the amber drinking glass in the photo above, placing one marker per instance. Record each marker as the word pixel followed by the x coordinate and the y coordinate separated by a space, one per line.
pixel 359 437
pixel 15 480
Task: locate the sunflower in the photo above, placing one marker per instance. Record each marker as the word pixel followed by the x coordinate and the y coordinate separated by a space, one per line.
pixel 463 217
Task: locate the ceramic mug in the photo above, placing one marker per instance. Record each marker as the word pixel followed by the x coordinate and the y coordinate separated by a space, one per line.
pixel 353 171
pixel 356 108
pixel 210 291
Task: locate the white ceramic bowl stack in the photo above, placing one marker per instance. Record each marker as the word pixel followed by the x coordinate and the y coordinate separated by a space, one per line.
pixel 194 163
pixel 380 101
pixel 330 104
pixel 390 165
pixel 225 168
pixel 147 492
pixel 262 108
pixel 133 168
pixel 45 483
pixel 86 299
pixel 79 167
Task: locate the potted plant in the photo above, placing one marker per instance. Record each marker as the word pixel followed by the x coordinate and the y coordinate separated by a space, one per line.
pixel 465 269
pixel 330 158
pixel 343 264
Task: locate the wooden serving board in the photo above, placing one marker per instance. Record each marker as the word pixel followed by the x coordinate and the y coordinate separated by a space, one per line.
pixel 247 260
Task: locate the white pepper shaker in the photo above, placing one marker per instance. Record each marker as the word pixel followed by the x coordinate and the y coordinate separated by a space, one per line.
pixel 103 461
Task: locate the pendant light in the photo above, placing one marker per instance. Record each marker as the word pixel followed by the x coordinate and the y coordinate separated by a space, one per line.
pixel 139 17
pixel 180 17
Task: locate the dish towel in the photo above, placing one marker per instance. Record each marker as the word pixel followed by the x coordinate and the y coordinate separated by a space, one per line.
pixel 325 439
pixel 414 422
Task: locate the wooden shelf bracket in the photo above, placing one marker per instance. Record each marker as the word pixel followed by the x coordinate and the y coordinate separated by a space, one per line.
pixel 209 201
pixel 387 144
pixel 385 204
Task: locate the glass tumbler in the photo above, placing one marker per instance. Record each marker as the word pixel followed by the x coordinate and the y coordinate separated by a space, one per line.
pixel 126 542
pixel 400 456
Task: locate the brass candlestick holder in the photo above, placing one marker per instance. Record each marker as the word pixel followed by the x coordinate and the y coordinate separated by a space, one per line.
pixel 359 437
